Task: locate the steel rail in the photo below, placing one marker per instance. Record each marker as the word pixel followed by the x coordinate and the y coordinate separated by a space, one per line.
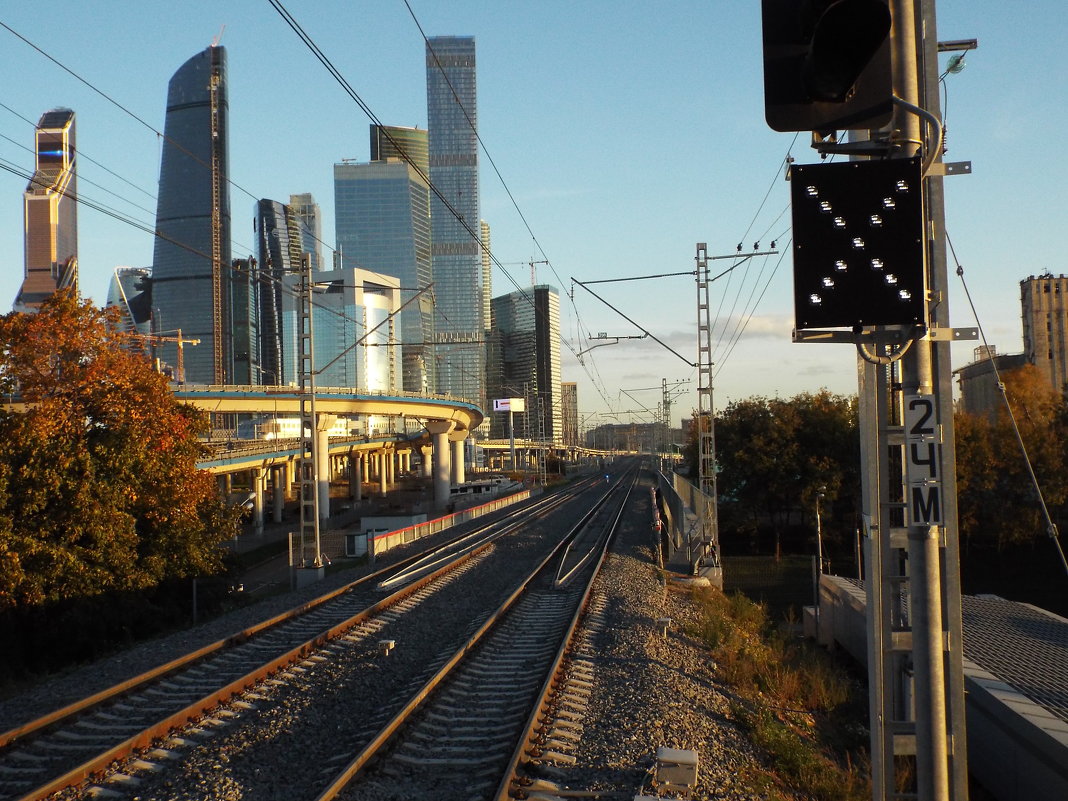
pixel 343 778
pixel 546 697
pixel 212 700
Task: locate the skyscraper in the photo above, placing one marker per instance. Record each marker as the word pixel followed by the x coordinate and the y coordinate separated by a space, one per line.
pixel 129 293
pixel 306 210
pixel 1044 306
pixel 191 264
pixel 396 142
pixel 382 219
pixel 50 213
pixel 455 234
pixel 355 337
pixel 280 244
pixel 524 361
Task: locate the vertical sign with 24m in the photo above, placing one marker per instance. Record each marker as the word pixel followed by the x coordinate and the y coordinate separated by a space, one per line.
pixel 923 461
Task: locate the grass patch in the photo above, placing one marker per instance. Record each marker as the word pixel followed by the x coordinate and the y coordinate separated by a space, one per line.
pixel 793 700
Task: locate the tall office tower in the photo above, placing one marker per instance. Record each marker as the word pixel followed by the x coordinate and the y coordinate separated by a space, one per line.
pixel 457 261
pixel 191 267
pixel 279 247
pixel 50 213
pixel 397 142
pixel 569 416
pixel 355 339
pixel 130 292
pixel 487 270
pixel 1044 302
pixel 382 219
pixel 524 361
pixel 306 210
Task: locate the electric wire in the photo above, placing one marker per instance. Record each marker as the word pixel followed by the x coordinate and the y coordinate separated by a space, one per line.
pixel 1051 527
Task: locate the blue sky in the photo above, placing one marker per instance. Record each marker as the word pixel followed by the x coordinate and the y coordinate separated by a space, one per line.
pixel 625 132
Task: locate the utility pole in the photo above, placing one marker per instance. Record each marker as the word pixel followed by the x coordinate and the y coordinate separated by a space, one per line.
pixel 309 431
pixel 869 258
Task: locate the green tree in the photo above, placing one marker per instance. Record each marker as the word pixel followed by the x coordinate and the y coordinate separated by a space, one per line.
pixel 99 489
pixel 776 454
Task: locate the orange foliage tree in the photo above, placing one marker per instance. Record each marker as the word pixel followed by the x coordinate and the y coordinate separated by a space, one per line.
pixel 99 488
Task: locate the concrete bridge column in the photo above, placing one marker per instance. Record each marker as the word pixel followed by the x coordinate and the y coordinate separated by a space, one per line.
pixel 391 468
pixel 257 479
pixel 355 477
pixel 427 454
pixel 382 473
pixel 322 443
pixel 291 476
pixel 458 474
pixel 278 500
pixel 439 433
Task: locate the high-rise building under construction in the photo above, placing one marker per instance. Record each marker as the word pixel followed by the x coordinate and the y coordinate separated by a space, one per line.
pixel 191 286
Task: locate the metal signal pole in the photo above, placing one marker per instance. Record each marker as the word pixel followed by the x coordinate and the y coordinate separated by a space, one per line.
pixel 914 645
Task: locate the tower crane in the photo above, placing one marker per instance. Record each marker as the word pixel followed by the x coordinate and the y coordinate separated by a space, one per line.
pixel 180 341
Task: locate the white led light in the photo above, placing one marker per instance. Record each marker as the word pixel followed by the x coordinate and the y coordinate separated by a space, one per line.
pixel 889 203
pixel 815 299
pixel 825 207
pixel 858 243
pixel 827 281
pixel 877 264
pixel 904 294
pixel 839 222
pixel 840 265
pixel 876 221
pixel 812 191
pixel 891 279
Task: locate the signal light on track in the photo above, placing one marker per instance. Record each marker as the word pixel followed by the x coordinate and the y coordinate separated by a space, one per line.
pixel 827 64
pixel 862 265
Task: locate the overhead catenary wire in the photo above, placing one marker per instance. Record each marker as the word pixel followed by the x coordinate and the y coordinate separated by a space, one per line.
pixel 1051 527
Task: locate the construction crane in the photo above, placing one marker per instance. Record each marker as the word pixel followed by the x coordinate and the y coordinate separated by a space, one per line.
pixel 180 341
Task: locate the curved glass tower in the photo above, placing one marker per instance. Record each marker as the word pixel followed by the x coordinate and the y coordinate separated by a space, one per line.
pixel 191 264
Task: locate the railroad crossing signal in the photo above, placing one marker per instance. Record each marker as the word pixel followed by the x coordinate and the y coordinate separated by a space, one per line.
pixel 827 64
pixel 858 244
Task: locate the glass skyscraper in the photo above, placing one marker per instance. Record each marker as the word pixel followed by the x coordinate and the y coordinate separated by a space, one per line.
pixel 452 120
pixel 524 361
pixel 50 213
pixel 191 263
pixel 396 142
pixel 349 307
pixel 382 219
pixel 280 244
pixel 306 210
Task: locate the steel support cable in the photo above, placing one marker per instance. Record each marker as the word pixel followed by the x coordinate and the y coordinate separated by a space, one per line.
pixel 118 105
pixel 1051 527
pixel 745 325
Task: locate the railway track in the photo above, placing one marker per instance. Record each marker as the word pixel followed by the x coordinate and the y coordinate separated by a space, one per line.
pixel 62 749
pixel 466 733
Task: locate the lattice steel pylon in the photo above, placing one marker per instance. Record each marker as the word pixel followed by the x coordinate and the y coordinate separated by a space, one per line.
pixel 309 439
pixel 706 424
pixel 217 267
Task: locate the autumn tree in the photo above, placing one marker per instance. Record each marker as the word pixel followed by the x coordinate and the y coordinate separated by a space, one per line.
pixel 99 486
pixel 998 503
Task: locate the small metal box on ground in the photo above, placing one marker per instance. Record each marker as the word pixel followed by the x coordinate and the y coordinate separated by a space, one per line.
pixel 675 769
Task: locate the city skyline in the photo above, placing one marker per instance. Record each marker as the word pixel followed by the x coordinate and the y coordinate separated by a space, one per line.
pixel 575 121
